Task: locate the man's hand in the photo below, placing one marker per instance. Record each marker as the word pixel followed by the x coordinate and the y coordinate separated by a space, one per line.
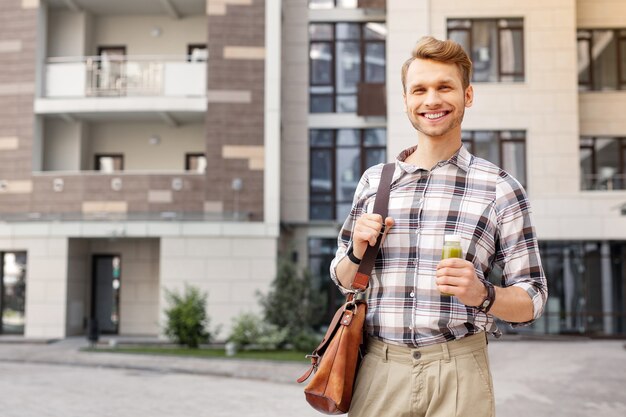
pixel 458 277
pixel 366 231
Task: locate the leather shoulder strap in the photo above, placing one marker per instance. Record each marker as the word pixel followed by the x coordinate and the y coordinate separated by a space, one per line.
pixel 381 206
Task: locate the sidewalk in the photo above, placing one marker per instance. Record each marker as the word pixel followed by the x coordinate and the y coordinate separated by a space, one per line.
pixel 67 352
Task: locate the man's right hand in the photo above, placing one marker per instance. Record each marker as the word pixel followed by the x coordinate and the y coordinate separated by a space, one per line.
pixel 366 231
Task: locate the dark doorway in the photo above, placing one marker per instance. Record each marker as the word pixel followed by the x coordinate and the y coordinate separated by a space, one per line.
pixel 12 292
pixel 105 292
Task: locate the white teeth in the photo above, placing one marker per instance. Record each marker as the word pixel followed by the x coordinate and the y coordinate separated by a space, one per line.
pixel 434 115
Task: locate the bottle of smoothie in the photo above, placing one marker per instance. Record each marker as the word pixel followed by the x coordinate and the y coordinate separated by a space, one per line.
pixel 451 249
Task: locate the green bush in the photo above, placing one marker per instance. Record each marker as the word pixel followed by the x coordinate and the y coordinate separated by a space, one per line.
pixel 293 304
pixel 306 340
pixel 187 320
pixel 251 332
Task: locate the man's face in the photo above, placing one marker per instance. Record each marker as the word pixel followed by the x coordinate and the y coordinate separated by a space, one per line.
pixel 434 98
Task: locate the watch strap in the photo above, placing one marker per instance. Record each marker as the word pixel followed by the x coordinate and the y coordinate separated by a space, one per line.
pixel 487 303
pixel 352 256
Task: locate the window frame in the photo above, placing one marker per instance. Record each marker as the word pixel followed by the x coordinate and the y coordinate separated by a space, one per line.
pixel 621 171
pixel 108 155
pixel 621 72
pixel 333 154
pixel 470 142
pixel 363 42
pixel 188 157
pixel 517 28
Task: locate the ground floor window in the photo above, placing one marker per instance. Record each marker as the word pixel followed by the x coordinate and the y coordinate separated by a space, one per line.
pixel 586 286
pixel 321 253
pixel 12 292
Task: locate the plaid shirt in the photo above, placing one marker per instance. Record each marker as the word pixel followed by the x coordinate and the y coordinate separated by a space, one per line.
pixel 464 195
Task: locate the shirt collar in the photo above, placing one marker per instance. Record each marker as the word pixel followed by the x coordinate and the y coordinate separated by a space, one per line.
pixel 462 159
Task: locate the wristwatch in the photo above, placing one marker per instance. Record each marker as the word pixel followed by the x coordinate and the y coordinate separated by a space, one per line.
pixel 485 306
pixel 352 257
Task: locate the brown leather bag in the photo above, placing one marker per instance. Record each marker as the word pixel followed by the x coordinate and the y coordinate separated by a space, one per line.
pixel 336 360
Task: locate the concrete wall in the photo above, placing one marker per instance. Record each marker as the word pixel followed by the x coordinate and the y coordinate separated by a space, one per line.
pixel 131 139
pixel 62 145
pixel 231 270
pixel 135 33
pixel 67 33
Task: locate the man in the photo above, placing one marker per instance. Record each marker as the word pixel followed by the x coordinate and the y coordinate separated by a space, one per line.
pixel 426 352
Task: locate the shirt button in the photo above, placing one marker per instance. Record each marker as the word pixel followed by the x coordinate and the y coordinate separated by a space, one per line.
pixel 416 355
pixel 412 294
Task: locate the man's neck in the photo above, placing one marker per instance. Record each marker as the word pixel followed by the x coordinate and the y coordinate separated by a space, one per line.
pixel 430 151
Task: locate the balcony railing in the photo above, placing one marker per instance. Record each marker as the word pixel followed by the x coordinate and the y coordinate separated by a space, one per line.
pixel 93 76
pixel 603 182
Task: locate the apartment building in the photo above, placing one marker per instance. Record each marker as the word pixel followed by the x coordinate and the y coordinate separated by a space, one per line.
pixel 139 149
pixel 147 144
pixel 550 99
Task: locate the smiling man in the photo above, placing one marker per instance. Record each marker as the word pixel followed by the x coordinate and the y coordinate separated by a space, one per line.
pixel 426 351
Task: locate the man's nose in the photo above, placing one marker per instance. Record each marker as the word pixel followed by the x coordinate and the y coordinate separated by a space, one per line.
pixel 432 98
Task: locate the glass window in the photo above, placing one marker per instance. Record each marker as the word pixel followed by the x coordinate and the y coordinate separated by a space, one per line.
pixel 338 159
pixel 109 162
pixel 195 162
pixel 12 292
pixel 601 59
pixel 602 163
pixel 496 47
pixel 342 55
pixel 321 253
pixel 604 53
pixel 506 149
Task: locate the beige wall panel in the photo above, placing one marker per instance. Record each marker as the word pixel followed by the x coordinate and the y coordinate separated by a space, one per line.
pixel 131 139
pixel 135 33
pixel 222 267
pixel 244 52
pixel 600 13
pixel 8 143
pixel 602 113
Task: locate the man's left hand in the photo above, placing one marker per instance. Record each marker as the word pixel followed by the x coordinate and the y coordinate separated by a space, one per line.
pixel 458 277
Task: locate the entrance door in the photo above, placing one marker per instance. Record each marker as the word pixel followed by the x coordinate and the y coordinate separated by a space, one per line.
pixel 112 70
pixel 12 292
pixel 105 292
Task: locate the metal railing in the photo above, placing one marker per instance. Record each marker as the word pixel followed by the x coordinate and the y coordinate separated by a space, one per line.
pixel 603 182
pixel 95 76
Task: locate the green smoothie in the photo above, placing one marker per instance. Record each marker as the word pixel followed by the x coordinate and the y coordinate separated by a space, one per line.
pixel 451 249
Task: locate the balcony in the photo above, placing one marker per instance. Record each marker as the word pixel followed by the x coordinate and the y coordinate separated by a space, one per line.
pixel 172 88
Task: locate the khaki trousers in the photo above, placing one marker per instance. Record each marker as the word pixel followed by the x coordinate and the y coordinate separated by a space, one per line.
pixel 444 380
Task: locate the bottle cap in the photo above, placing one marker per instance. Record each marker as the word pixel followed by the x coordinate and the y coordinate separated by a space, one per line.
pixel 452 238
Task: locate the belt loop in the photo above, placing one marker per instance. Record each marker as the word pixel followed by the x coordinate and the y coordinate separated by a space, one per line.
pixel 385 348
pixel 446 352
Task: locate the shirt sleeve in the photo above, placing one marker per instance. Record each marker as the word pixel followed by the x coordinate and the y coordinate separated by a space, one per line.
pixel 344 240
pixel 518 250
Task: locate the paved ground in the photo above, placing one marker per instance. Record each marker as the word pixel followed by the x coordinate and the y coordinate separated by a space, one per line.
pixel 532 378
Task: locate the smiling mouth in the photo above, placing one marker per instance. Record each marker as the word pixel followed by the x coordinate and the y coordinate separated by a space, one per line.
pixel 435 116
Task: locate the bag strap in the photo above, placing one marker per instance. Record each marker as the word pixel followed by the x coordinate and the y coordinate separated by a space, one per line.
pixel 381 206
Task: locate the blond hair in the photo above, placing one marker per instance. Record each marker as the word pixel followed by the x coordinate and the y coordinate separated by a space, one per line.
pixel 447 51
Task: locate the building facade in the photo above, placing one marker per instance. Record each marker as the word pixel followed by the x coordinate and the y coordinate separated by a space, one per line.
pixel 550 95
pixel 149 144
pixel 132 163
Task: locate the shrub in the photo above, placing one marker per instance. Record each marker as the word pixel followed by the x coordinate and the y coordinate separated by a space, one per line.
pixel 292 303
pixel 187 320
pixel 250 331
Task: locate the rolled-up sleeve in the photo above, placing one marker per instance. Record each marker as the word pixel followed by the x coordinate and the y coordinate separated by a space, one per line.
pixel 344 240
pixel 518 249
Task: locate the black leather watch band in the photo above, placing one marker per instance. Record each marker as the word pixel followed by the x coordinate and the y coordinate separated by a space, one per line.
pixel 487 303
pixel 352 257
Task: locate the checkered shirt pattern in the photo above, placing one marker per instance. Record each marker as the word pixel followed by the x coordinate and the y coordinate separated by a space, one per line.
pixel 466 196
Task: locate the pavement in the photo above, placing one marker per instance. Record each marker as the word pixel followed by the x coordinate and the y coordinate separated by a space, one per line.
pixel 540 378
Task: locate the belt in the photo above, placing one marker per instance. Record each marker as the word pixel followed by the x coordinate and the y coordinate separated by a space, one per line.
pixel 440 351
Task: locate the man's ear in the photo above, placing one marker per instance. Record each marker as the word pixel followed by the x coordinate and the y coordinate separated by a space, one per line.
pixel 469 96
pixel 404 102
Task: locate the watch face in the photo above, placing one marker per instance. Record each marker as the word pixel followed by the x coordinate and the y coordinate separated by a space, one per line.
pixel 485 303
